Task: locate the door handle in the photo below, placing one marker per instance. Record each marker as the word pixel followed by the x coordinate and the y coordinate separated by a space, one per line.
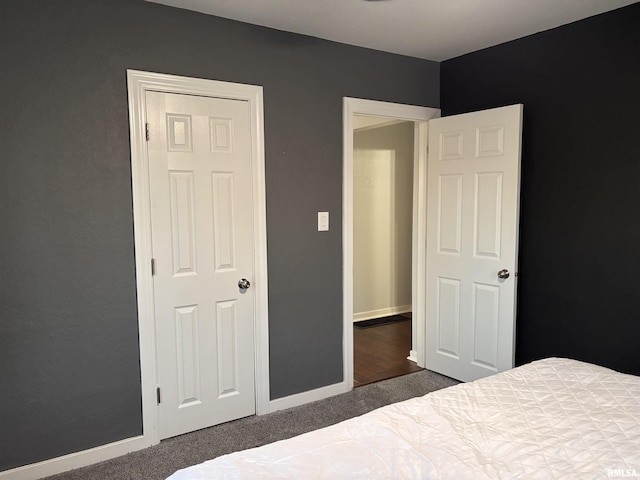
pixel 503 274
pixel 244 284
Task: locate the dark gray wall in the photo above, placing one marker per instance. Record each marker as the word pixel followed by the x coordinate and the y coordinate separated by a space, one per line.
pixel 69 364
pixel 580 218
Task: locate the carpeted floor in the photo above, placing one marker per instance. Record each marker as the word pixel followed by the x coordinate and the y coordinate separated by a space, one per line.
pixel 160 461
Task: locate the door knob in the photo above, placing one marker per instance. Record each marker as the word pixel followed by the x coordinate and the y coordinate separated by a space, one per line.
pixel 503 274
pixel 244 284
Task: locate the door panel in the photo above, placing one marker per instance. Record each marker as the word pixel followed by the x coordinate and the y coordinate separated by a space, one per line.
pixel 472 229
pixel 201 214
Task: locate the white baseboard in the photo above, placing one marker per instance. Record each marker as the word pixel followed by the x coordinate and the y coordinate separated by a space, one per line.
pixel 122 447
pixel 75 460
pixel 306 397
pixel 413 356
pixel 84 458
pixel 383 312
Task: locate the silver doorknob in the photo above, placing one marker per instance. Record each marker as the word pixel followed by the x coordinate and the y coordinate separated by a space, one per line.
pixel 503 274
pixel 244 284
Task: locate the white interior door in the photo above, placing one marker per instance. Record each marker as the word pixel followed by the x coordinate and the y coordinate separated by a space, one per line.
pixel 202 239
pixel 472 233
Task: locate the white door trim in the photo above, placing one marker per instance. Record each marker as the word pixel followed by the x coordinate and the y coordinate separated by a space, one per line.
pixel 138 83
pixel 419 115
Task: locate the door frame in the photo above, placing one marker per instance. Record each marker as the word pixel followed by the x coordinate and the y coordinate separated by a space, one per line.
pixel 395 111
pixel 138 83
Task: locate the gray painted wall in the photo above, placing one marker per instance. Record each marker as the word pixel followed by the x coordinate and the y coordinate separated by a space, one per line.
pixel 69 363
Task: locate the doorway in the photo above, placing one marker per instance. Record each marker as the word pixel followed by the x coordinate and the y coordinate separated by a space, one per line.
pixel 383 159
pixel 470 314
pixel 390 114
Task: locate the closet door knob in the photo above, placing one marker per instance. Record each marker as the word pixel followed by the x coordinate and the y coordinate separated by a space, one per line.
pixel 503 274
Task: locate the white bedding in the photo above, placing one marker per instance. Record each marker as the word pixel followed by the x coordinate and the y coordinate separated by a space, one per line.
pixel 550 419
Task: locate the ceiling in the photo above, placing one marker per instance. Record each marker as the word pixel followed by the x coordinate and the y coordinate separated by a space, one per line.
pixel 429 29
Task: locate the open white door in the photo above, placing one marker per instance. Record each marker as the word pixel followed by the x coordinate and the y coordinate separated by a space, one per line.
pixel 472 242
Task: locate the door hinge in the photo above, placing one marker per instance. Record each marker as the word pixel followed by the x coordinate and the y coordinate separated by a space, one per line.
pixel 158 395
pixel 153 266
pixel 146 131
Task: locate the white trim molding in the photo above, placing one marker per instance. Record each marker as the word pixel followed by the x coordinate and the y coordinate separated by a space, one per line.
pixel 75 460
pixel 308 396
pixel 383 312
pixel 419 246
pixel 393 111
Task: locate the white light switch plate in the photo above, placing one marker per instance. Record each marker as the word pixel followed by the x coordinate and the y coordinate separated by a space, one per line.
pixel 323 221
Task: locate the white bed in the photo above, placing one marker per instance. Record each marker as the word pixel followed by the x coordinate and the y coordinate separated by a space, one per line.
pixel 550 419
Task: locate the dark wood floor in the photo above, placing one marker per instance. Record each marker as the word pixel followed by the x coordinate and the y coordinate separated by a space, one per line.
pixel 381 352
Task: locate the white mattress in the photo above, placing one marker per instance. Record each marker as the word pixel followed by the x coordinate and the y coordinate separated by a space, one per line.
pixel 550 419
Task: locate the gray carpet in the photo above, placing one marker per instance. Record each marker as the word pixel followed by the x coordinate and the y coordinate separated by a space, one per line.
pixel 160 461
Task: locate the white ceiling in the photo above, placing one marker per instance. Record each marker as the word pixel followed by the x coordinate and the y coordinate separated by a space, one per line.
pixel 430 29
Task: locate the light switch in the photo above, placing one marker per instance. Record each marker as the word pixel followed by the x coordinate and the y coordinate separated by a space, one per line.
pixel 323 221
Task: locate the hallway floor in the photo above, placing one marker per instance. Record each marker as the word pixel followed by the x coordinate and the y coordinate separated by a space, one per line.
pixel 381 352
